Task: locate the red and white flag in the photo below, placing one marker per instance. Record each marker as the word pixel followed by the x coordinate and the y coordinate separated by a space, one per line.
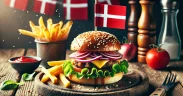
pixel 45 6
pixel 75 9
pixel 18 4
pixel 109 2
pixel 111 16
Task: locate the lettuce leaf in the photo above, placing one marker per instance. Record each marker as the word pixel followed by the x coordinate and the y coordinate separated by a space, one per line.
pixel 95 73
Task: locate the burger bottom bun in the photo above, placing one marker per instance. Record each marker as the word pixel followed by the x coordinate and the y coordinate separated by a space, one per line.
pixel 97 81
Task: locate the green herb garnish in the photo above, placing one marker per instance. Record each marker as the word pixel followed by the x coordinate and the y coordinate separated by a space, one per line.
pixel 95 73
pixel 28 77
pixel 9 84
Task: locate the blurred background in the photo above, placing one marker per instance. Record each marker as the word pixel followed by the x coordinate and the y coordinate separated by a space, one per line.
pixel 12 19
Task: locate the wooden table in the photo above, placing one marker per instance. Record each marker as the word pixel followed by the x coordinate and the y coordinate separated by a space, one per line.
pixel 155 77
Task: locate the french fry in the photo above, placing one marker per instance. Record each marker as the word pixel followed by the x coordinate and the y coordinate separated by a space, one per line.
pixel 64 80
pixel 41 22
pixel 61 24
pixel 54 31
pixel 64 32
pixel 46 34
pixel 53 79
pixel 60 34
pixel 68 24
pixel 42 33
pixel 36 30
pixel 45 78
pixel 31 24
pixel 25 32
pixel 56 70
pixel 55 63
pixel 49 24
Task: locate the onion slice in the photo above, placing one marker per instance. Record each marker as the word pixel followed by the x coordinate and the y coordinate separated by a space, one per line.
pixel 113 54
pixel 76 54
pixel 89 60
pixel 83 56
pixel 104 58
pixel 92 55
pixel 112 57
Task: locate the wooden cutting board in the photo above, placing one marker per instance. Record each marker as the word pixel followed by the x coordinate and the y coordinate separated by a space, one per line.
pixel 135 83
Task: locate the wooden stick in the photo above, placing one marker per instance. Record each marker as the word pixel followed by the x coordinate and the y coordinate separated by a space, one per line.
pixel 95 28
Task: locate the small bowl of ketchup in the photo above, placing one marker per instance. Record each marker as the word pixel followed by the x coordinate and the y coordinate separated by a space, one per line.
pixel 25 64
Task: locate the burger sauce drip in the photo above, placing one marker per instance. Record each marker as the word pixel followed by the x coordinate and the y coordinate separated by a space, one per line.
pixel 102 81
pixel 96 81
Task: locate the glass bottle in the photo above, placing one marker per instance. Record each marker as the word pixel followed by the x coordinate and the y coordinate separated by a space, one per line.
pixel 169 34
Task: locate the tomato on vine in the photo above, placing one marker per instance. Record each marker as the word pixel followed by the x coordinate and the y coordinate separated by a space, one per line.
pixel 157 58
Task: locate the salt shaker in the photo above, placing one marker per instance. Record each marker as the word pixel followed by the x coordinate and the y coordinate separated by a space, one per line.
pixel 169 34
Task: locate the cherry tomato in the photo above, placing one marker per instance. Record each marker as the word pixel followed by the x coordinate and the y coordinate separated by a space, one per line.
pixel 157 58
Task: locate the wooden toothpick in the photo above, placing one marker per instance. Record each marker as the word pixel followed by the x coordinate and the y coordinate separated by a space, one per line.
pixel 95 27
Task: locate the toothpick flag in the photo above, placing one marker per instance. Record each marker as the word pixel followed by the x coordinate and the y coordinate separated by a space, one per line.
pixel 75 9
pixel 111 16
pixel 18 4
pixel 45 6
pixel 109 2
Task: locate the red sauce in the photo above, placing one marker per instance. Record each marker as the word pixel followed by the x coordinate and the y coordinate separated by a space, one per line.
pixel 25 59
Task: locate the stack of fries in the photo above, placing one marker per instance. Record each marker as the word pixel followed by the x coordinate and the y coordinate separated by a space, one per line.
pixel 55 73
pixel 51 33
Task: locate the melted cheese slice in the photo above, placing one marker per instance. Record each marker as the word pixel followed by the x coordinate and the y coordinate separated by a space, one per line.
pixel 100 63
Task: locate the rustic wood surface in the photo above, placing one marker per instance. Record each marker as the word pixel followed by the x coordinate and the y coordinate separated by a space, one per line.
pixel 156 77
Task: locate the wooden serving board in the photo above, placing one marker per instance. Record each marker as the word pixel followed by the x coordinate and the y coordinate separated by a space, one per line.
pixel 133 84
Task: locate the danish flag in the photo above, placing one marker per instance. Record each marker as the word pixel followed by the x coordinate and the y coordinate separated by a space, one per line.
pixel 111 16
pixel 109 2
pixel 19 4
pixel 45 6
pixel 75 9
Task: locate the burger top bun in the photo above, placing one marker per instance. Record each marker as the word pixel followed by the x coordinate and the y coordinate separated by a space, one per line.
pixel 95 41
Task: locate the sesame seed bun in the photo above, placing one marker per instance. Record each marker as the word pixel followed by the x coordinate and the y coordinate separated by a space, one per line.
pixel 97 81
pixel 95 41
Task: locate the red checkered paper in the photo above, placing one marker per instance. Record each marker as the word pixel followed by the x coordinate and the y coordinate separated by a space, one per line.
pixel 45 6
pixel 111 16
pixel 109 2
pixel 75 9
pixel 18 4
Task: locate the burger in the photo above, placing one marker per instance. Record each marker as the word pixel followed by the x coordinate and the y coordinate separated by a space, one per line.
pixel 95 60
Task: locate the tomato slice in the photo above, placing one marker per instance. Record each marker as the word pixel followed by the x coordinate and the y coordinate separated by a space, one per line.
pixel 77 69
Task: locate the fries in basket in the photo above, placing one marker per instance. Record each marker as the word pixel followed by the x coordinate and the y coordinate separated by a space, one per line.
pixel 50 33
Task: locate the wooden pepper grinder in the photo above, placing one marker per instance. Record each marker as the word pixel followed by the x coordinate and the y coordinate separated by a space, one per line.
pixel 133 21
pixel 147 29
